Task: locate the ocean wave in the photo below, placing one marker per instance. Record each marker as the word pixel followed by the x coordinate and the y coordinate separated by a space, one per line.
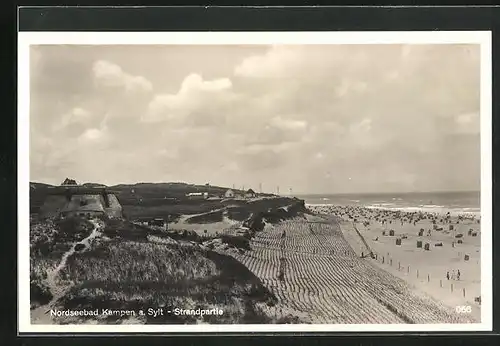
pixel 441 210
pixel 318 205
pixel 378 205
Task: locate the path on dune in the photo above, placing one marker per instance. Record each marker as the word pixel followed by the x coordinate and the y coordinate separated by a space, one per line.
pixel 41 315
pixel 317 276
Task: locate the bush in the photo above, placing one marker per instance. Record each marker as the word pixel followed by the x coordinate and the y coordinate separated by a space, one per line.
pixel 39 293
pixel 289 319
pixel 186 235
pixel 206 218
pixel 125 229
pixel 239 242
pixel 42 236
pixel 74 229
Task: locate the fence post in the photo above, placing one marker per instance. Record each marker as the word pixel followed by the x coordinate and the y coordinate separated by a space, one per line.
pixel 441 283
pixel 464 291
pixel 408 269
pixel 452 287
pixel 417 273
pixel 383 259
pixel 391 261
pixel 399 265
pixel 428 278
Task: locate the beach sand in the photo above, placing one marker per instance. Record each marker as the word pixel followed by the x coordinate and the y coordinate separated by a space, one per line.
pixel 425 270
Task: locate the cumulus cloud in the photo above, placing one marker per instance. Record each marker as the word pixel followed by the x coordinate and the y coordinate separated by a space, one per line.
pixel 74 121
pixel 288 124
pixel 91 136
pixel 197 100
pixel 336 118
pixel 273 63
pixel 111 75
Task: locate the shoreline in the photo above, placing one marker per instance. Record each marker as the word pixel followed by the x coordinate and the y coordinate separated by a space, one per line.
pixel 434 210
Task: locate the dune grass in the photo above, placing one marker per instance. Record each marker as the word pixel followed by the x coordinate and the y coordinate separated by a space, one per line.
pixel 125 270
pixel 49 240
pixel 135 275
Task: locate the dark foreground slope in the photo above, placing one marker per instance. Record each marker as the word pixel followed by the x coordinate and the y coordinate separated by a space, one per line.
pixel 130 268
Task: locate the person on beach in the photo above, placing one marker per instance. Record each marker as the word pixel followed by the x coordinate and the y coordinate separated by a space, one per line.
pixel 458 274
pixel 447 275
pixel 453 276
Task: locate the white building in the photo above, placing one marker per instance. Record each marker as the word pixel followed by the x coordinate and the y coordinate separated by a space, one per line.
pixel 229 194
pixel 197 195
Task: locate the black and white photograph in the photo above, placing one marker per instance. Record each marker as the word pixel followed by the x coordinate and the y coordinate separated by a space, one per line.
pixel 255 181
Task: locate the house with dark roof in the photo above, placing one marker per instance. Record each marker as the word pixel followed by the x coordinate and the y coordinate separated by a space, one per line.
pixel 69 182
pixel 250 194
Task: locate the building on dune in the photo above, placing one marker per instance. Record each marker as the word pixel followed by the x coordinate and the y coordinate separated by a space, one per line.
pixel 71 199
pixel 229 194
pixel 197 195
pixel 250 194
pixel 69 182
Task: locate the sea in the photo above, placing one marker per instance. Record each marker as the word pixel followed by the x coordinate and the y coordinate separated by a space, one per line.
pixel 455 203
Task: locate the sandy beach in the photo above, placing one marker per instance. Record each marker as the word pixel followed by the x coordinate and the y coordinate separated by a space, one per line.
pixel 390 239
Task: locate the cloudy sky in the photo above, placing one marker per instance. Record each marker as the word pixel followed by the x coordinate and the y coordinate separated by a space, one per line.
pixel 320 119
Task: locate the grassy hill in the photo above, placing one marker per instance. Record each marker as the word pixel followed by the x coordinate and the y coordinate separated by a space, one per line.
pixel 134 268
pixel 131 267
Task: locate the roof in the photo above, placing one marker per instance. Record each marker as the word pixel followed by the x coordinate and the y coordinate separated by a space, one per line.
pixel 68 181
pixel 250 191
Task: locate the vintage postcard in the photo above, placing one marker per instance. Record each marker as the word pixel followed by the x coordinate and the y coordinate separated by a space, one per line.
pixel 255 182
